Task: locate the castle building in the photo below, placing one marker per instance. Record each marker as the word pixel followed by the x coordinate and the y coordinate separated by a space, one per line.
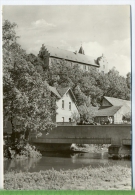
pixel 52 55
pixel 103 64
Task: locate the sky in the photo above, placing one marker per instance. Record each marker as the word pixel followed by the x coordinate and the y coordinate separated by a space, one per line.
pixel 100 29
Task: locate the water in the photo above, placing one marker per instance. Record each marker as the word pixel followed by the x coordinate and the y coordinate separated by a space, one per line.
pixel 59 161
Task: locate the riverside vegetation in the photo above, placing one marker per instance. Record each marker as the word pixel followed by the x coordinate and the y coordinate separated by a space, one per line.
pixel 86 178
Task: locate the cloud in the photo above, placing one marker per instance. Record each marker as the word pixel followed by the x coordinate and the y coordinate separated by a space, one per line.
pixel 93 49
pixel 42 24
pixel 117 54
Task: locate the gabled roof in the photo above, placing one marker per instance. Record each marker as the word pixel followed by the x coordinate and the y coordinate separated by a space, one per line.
pixel 63 90
pixel 117 102
pixel 107 111
pixel 71 56
pixel 60 91
pixel 54 90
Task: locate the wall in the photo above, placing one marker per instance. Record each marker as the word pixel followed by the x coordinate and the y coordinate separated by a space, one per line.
pixel 66 113
pixel 53 61
pixel 103 65
pixel 119 114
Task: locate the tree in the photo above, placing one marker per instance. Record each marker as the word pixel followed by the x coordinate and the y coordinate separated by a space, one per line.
pixel 127 117
pixel 75 116
pixel 26 97
pixel 128 80
pixel 114 85
pixel 87 113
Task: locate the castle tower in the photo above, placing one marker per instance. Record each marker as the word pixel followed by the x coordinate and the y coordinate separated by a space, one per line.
pixel 102 61
pixel 81 50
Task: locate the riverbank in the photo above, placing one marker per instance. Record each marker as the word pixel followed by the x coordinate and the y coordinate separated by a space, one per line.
pixel 87 178
pixel 91 148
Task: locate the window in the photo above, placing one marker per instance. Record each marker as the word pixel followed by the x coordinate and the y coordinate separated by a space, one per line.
pixel 69 105
pixel 63 119
pixel 84 67
pixel 63 104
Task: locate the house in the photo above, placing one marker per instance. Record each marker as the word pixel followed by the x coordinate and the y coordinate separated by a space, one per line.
pixel 52 55
pixel 65 103
pixel 114 108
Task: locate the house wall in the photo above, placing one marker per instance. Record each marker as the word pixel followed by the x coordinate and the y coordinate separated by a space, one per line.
pixel 119 114
pixel 66 113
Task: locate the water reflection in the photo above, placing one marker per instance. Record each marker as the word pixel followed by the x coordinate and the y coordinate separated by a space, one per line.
pixel 63 161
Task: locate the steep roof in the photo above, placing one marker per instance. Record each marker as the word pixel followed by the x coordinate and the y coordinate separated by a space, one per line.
pixel 118 102
pixel 54 90
pixel 60 91
pixel 71 56
pixel 63 90
pixel 107 111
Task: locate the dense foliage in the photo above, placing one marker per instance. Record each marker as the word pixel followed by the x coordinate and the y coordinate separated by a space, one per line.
pixel 27 102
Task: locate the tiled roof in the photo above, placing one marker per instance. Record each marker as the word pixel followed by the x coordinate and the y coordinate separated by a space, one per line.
pixel 107 111
pixel 62 90
pixel 117 102
pixel 71 56
pixel 54 90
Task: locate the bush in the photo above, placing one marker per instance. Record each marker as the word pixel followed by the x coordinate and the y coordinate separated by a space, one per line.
pixel 30 151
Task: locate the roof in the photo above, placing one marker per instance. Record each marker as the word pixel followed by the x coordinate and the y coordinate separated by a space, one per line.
pixel 107 111
pixel 60 91
pixel 118 102
pixel 63 90
pixel 54 91
pixel 71 56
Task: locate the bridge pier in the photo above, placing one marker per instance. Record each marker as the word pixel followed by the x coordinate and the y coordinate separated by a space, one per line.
pixel 119 151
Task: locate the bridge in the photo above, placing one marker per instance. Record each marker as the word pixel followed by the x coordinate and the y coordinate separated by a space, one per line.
pixel 61 137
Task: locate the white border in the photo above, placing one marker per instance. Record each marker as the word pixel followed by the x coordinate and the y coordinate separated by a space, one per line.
pixel 74 2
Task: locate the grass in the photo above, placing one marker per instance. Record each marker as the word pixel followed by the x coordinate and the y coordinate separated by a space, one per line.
pixel 87 178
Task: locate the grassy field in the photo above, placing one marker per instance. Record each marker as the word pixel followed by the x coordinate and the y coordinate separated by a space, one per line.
pixel 88 178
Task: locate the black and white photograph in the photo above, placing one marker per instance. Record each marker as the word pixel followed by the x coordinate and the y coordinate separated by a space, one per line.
pixel 67 92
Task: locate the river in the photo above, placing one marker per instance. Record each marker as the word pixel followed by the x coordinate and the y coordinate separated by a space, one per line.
pixel 62 161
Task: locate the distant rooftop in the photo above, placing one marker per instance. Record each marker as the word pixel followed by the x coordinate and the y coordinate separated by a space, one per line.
pixel 107 111
pixel 71 56
pixel 118 102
